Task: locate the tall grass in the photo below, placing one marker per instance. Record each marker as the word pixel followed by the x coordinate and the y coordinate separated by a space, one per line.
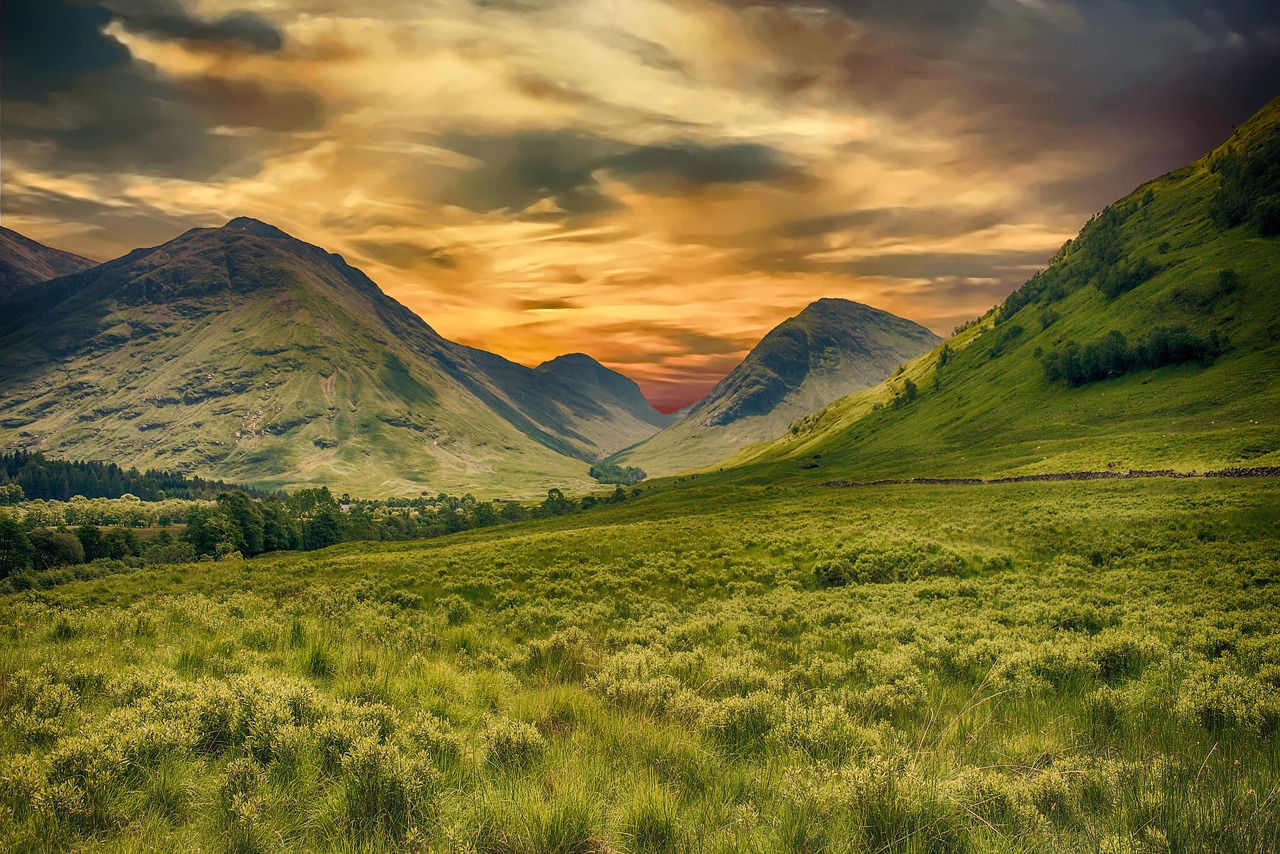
pixel 638 683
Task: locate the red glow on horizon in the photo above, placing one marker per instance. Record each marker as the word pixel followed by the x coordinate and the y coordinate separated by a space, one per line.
pixel 672 398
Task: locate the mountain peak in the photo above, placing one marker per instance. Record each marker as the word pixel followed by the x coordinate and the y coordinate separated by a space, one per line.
pixel 584 374
pixel 571 360
pixel 258 227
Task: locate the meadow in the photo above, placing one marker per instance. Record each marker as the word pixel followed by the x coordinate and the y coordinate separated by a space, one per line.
pixel 1080 666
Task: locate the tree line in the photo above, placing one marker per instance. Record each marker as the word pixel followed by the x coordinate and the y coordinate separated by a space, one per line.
pixel 238 525
pixel 28 477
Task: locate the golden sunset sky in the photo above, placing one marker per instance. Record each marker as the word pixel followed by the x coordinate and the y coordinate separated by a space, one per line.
pixel 656 183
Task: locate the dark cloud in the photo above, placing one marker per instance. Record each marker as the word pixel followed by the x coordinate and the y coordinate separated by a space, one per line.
pixel 1014 267
pixel 170 19
pixel 75 99
pixel 104 224
pixel 241 103
pixel 46 45
pixel 1154 83
pixel 546 304
pixel 518 170
pixel 122 120
pixel 405 255
pixel 688 166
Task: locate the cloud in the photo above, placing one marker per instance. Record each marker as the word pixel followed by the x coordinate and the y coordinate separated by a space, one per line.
pixel 553 175
pixel 170 19
pixel 76 99
pixel 45 45
pixel 518 170
pixel 405 254
pixel 688 166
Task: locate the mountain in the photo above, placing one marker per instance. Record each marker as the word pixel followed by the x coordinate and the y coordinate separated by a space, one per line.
pixel 581 372
pixel 24 263
pixel 1151 341
pixel 830 349
pixel 242 353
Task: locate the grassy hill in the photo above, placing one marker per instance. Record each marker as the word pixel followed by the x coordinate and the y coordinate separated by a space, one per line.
pixel 243 354
pixel 830 349
pixel 1163 258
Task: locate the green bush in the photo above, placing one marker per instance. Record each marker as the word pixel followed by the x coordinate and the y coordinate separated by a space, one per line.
pixel 511 743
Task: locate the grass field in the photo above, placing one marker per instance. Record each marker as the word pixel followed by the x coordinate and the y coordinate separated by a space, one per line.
pixel 1027 667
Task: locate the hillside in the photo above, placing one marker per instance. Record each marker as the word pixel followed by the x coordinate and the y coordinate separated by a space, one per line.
pixel 832 348
pixel 1183 269
pixel 242 353
pixel 24 262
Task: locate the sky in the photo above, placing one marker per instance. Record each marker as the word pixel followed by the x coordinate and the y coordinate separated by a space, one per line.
pixel 656 183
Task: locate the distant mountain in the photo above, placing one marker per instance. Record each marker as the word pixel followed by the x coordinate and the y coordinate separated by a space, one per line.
pixel 583 373
pixel 24 263
pixel 242 353
pixel 830 349
pixel 1151 341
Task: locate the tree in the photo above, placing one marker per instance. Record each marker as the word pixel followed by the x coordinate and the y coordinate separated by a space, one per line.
pixel 324 528
pixel 555 504
pixel 513 511
pixel 16 551
pixel 121 543
pixel 279 531
pixel 247 522
pixel 91 541
pixel 207 528
pixel 55 548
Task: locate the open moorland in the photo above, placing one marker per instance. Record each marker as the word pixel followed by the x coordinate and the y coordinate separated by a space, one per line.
pixel 1079 666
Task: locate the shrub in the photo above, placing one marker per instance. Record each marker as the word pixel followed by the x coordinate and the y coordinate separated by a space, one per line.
pixel 437 739
pixel 457 611
pixel 1225 700
pixel 512 743
pixel 743 723
pixel 385 792
pixel 565 656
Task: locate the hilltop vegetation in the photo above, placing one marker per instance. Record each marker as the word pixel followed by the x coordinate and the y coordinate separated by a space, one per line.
pixel 1028 667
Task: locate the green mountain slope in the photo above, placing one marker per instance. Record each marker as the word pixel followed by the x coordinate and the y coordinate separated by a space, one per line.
pixel 830 349
pixel 24 262
pixel 1181 256
pixel 245 354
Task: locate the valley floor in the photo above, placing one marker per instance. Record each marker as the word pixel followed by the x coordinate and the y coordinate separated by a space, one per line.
pixel 1079 666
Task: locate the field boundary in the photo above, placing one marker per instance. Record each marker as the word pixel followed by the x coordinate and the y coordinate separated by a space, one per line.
pixel 1131 474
